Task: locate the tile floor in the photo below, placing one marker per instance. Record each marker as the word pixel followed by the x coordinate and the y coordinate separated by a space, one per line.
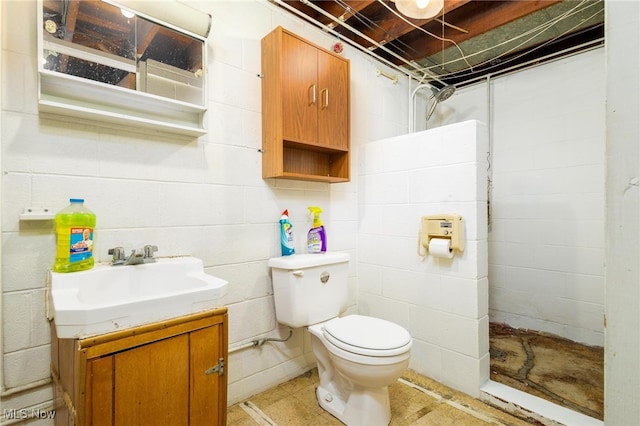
pixel 415 400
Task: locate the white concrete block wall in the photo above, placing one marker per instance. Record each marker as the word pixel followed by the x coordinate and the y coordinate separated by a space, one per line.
pixel 203 197
pixel 44 163
pixel 622 248
pixel 546 255
pixel 443 303
pixel 546 245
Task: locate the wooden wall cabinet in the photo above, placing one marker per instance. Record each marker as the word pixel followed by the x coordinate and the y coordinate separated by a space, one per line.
pixel 171 373
pixel 305 110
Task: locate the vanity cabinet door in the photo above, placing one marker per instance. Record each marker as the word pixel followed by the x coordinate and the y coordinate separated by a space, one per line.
pixel 152 384
pixel 99 391
pixel 168 373
pixel 208 390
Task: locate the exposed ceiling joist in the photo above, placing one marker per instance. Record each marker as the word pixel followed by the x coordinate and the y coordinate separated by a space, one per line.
pixel 468 39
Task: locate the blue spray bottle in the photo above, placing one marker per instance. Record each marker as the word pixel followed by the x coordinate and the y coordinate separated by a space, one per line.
pixel 286 235
pixel 316 237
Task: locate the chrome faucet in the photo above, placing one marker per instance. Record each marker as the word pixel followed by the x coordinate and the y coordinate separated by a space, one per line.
pixel 117 256
pixel 137 256
pixel 149 250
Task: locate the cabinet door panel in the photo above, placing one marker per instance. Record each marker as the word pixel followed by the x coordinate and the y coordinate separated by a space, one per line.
pixel 333 109
pixel 205 388
pixel 299 90
pixel 99 396
pixel 152 384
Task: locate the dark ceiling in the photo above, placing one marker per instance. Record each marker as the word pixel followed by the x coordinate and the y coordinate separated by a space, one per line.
pixel 468 40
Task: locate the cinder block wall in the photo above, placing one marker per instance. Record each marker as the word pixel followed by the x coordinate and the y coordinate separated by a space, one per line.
pixel 546 239
pixel 442 302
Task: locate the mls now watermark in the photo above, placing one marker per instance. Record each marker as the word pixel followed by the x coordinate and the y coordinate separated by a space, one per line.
pixel 28 413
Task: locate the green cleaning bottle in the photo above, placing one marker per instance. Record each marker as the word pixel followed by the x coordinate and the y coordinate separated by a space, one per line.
pixel 74 232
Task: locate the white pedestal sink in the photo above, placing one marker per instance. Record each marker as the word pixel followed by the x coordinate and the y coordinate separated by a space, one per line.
pixel 109 298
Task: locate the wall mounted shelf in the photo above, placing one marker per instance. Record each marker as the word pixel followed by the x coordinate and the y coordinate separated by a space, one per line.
pixel 37 213
pixel 76 98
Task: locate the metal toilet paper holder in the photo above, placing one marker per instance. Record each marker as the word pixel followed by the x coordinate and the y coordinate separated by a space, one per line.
pixel 442 226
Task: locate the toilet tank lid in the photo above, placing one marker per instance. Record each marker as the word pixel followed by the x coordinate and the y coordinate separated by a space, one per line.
pixel 300 261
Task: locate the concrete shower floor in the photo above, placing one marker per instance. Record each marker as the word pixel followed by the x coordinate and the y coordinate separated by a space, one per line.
pixel 550 367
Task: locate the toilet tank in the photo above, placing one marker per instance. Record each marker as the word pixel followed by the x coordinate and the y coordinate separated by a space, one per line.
pixel 309 288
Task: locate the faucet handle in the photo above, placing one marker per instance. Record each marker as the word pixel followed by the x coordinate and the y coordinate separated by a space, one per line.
pixel 149 250
pixel 117 254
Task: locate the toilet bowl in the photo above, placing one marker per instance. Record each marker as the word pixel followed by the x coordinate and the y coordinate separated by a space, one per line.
pixel 358 356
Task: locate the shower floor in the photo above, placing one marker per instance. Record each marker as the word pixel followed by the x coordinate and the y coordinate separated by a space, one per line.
pixel 550 367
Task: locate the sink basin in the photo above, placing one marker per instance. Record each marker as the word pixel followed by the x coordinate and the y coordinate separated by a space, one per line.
pixel 109 298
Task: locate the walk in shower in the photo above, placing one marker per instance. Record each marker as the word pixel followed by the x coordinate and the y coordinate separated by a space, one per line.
pixel 546 233
pixel 546 237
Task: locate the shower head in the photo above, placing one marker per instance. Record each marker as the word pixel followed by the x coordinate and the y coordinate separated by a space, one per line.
pixel 440 95
pixel 444 93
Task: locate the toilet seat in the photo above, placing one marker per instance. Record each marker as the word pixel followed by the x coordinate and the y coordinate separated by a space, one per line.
pixel 368 336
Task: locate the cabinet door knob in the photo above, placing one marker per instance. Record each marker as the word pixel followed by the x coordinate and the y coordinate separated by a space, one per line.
pixel 312 92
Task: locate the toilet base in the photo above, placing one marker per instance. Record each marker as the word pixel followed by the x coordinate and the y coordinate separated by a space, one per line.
pixel 362 407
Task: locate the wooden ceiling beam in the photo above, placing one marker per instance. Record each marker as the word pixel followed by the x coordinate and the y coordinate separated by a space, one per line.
pixel 477 17
pixel 392 27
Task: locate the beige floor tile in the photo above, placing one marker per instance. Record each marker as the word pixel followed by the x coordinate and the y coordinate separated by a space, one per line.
pixel 446 415
pixel 238 417
pixel 294 403
pixel 269 396
pixel 290 412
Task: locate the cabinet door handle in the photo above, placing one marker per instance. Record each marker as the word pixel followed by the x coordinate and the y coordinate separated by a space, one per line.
pixel 325 98
pixel 312 92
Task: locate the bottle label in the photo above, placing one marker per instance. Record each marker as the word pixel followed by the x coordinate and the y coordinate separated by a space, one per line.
pixel 286 239
pixel 81 246
pixel 314 241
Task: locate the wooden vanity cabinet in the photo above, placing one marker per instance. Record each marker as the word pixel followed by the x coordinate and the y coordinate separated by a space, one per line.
pixel 171 373
pixel 305 110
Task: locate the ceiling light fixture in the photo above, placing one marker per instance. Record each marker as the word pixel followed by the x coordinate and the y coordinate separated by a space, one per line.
pixel 127 13
pixel 420 9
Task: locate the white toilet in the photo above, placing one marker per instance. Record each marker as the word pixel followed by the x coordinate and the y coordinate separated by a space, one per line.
pixel 358 356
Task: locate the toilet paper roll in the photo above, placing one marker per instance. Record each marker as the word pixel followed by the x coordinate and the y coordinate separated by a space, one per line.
pixel 440 247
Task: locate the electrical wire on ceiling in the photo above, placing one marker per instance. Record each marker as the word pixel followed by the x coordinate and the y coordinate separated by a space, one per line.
pixel 427 32
pixel 401 51
pixel 65 12
pixel 411 68
pixel 542 28
pixel 374 27
pixel 396 43
pixel 536 31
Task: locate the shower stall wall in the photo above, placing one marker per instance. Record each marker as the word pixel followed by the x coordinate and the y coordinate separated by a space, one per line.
pixel 546 243
pixel 547 173
pixel 442 302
